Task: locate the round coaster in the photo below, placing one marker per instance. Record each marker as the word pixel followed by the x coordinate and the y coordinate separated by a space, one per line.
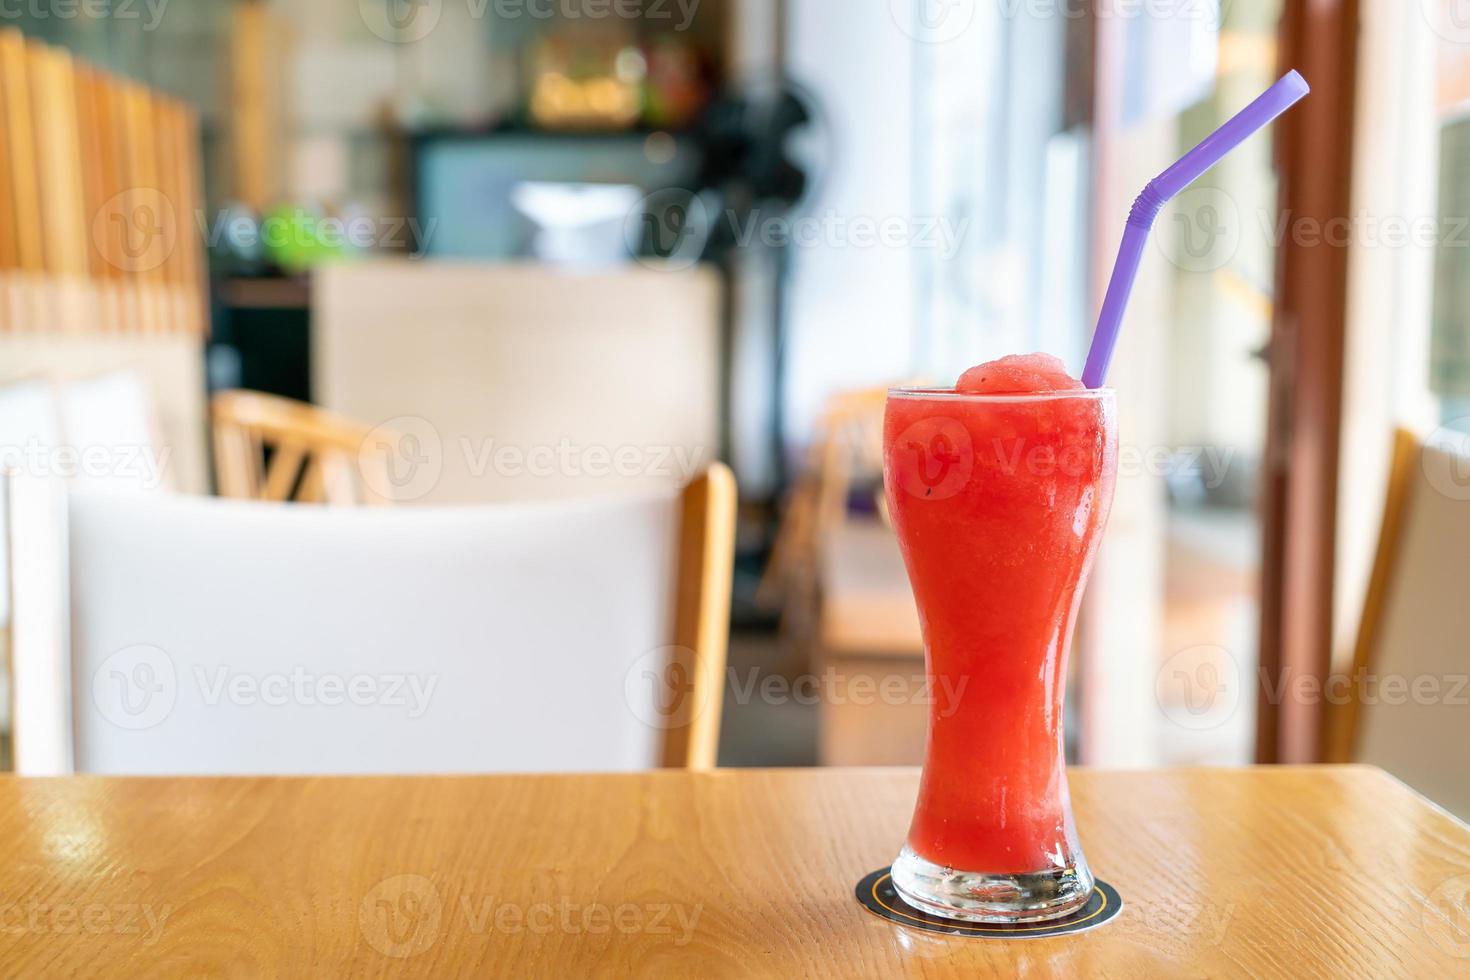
pixel 877 894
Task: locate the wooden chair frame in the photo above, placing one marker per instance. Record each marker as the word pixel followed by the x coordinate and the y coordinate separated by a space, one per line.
pixel 1345 721
pixel 317 456
pixel 706 561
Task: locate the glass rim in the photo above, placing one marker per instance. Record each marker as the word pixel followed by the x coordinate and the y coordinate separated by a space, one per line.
pixel 949 394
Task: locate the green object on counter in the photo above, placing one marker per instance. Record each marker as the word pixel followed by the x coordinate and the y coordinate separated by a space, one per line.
pixel 297 238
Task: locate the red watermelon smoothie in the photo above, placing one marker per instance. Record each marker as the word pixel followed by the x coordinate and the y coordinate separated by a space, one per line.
pixel 999 490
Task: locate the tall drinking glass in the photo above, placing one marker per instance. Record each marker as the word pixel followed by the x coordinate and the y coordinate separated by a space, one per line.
pixel 999 502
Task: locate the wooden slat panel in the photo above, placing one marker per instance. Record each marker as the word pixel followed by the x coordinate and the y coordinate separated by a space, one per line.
pixel 178 164
pixel 118 215
pixel 25 192
pixel 87 80
pixel 53 98
pixel 89 140
pixel 9 246
pixel 20 301
pixel 150 238
pixel 105 165
pixel 249 110
pixel 192 244
pixel 113 228
pixel 171 163
pixel 100 182
pixel 171 198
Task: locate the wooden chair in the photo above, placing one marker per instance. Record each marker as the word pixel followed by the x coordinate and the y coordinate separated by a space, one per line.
pixel 844 594
pixel 848 437
pixel 271 448
pixel 585 635
pixel 29 416
pixel 1406 711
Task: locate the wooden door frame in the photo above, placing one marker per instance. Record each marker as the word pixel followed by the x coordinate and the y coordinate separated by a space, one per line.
pixel 1300 480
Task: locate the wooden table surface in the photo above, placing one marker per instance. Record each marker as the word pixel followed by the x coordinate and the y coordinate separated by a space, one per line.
pixel 1281 872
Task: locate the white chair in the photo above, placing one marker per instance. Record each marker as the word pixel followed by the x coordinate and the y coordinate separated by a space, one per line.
pixel 1409 713
pixel 108 421
pixel 93 432
pixel 218 636
pixel 489 368
pixel 29 430
pixel 28 413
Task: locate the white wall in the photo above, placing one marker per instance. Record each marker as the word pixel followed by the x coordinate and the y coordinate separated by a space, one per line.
pixel 850 308
pixel 1390 290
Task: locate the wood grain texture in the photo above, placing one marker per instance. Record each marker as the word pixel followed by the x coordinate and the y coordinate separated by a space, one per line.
pixel 1281 872
pixel 1344 722
pixel 193 274
pixel 25 189
pixel 695 674
pixel 246 423
pixel 58 156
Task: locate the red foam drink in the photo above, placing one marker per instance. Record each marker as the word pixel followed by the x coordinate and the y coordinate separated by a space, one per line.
pixel 999 490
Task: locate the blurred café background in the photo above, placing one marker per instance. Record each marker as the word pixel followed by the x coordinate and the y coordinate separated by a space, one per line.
pixel 551 250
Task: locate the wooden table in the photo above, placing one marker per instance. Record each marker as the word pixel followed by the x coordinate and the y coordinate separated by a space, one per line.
pixel 1283 872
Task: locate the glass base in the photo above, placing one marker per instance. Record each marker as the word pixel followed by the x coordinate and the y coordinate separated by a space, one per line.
pixel 977 896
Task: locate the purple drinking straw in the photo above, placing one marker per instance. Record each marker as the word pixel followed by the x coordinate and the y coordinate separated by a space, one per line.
pixel 1272 103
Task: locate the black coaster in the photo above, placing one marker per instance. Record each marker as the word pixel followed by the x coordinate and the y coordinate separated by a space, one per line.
pixel 877 895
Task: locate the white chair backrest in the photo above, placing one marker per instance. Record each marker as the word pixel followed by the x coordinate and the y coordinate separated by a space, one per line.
pixel 108 423
pixel 28 413
pixel 516 382
pixel 212 636
pixel 29 425
pixel 29 432
pixel 1413 715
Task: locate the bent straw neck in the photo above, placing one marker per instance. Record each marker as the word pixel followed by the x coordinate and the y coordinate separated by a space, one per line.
pixel 1145 211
